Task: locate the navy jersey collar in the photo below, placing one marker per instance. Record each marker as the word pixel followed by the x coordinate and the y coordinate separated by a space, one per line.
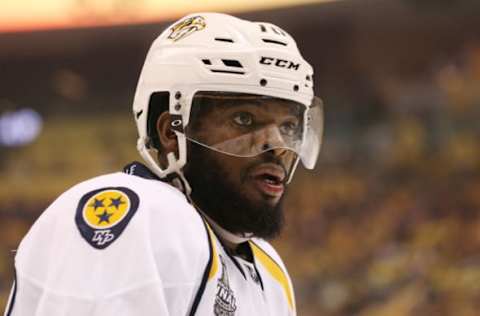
pixel 138 169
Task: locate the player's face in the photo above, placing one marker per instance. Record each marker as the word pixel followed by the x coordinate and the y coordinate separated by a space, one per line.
pixel 245 127
pixel 242 193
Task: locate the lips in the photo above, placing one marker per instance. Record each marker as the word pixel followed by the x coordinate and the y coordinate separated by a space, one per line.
pixel 269 179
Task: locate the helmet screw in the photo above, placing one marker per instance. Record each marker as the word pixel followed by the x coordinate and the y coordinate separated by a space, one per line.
pixel 178 107
pixel 263 82
pixel 178 95
pixel 176 123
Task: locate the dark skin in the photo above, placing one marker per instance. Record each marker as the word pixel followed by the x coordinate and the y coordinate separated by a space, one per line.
pixel 241 173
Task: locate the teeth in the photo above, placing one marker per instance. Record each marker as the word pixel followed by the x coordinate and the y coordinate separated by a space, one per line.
pixel 271 181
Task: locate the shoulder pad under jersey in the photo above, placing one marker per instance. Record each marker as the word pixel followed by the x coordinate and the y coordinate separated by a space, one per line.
pixel 113 232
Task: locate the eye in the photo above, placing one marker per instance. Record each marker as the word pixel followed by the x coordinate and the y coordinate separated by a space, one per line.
pixel 243 118
pixel 289 128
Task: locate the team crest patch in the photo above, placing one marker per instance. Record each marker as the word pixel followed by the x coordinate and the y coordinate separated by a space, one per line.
pixel 103 214
pixel 186 27
pixel 225 302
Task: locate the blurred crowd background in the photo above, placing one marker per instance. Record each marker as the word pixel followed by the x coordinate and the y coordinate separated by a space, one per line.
pixel 388 222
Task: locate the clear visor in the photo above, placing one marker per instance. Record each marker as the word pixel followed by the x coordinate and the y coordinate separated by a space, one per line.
pixel 247 125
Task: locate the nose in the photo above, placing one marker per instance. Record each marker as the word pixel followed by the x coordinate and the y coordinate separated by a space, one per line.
pixel 269 138
pixel 279 153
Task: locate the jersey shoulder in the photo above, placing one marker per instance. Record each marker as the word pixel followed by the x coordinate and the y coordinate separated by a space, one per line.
pixel 117 201
pixel 112 225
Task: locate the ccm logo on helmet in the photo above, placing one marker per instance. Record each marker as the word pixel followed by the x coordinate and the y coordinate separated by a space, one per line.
pixel 282 63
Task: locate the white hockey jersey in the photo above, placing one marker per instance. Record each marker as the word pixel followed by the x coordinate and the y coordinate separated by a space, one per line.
pixel 123 245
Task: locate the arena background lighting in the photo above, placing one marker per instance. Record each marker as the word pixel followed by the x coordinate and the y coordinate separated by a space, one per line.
pixel 27 15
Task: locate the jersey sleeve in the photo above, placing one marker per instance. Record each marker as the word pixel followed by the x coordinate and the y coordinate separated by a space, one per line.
pixel 33 300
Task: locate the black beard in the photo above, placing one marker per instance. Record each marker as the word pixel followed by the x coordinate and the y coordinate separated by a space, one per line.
pixel 225 203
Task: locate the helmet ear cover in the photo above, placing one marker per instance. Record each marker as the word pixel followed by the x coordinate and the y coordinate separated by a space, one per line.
pixel 157 104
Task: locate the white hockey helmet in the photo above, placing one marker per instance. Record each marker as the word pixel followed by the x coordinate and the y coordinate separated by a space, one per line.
pixel 212 52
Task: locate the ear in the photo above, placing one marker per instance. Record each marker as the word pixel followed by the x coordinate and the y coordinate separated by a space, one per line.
pixel 166 136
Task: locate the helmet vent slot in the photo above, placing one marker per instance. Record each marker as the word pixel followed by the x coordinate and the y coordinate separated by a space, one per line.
pixel 232 63
pixel 270 41
pixel 276 30
pixel 206 61
pixel 228 71
pixel 221 39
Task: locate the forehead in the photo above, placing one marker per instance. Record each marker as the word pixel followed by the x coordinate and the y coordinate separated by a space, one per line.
pixel 216 104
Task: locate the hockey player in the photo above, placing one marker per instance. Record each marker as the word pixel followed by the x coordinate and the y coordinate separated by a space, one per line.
pixel 225 110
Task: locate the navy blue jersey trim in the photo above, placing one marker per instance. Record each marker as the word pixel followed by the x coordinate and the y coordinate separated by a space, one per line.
pixel 206 272
pixel 237 265
pixel 14 294
pixel 233 259
pixel 259 276
pixel 138 169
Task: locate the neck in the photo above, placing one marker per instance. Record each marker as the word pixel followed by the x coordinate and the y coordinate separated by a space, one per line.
pixel 229 239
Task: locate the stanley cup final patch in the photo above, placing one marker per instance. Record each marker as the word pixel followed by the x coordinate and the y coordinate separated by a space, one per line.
pixel 225 301
pixel 103 214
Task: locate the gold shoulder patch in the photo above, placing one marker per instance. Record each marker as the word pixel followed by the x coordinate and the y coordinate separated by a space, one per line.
pixel 106 208
pixel 103 214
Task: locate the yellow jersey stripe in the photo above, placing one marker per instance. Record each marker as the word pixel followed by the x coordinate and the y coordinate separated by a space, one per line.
pixel 214 267
pixel 276 272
